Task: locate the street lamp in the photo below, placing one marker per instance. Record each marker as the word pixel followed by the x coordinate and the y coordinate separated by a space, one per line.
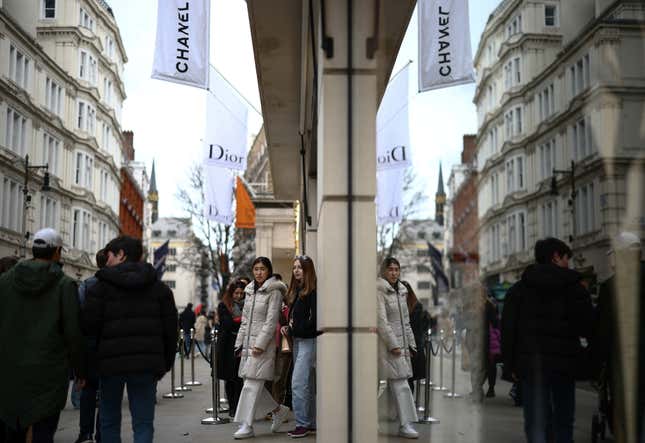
pixel 27 198
pixel 572 199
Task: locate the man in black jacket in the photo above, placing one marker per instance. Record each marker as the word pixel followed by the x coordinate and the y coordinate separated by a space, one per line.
pixel 134 318
pixel 545 314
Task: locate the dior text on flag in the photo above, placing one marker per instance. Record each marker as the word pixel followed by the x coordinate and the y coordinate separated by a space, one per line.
pixel 445 55
pixel 389 196
pixel 218 194
pixel 226 126
pixel 182 48
pixel 392 127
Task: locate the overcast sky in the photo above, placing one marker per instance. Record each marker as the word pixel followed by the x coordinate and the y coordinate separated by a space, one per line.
pixel 168 120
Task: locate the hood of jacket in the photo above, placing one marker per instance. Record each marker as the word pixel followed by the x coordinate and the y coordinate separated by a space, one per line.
pixel 129 275
pixel 549 277
pixel 32 278
pixel 270 284
pixel 384 286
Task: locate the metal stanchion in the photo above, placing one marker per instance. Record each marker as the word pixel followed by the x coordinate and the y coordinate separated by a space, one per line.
pixel 417 395
pixel 172 393
pixel 426 408
pixel 182 354
pixel 441 387
pixel 453 392
pixel 192 381
pixel 215 419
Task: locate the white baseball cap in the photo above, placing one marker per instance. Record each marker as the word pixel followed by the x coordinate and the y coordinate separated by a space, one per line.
pixel 47 238
pixel 625 241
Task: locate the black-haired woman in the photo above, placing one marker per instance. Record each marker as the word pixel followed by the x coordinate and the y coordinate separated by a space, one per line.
pixel 255 342
pixel 396 344
pixel 420 322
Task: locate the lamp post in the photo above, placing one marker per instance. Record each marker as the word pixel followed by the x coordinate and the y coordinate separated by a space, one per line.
pixel 27 199
pixel 572 199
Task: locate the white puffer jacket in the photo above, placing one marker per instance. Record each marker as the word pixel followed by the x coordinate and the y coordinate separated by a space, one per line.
pixel 394 331
pixel 259 320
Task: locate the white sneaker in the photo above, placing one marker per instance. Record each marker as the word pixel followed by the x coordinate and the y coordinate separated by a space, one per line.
pixel 407 431
pixel 245 431
pixel 279 417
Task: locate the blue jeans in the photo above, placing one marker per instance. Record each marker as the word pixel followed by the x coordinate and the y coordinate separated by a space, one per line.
pixel 303 386
pixel 141 397
pixel 549 402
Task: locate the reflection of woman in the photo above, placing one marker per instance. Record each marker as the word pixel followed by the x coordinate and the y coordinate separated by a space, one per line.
pixel 420 322
pixel 302 328
pixel 230 317
pixel 396 344
pixel 255 342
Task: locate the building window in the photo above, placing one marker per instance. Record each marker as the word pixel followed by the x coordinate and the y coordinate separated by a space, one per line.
pixel 156 233
pixel 586 209
pixel 103 185
pixel 495 242
pixel 48 213
pixel 48 9
pixel 550 15
pixel 550 219
pixel 513 122
pixel 423 269
pixel 171 268
pixel 547 158
pixel 86 20
pixel 422 253
pixel 16 133
pixel 514 26
pixel 19 66
pixel 53 96
pixel 579 75
pixel 84 168
pixel 107 135
pixel 86 117
pixel 81 229
pixel 169 283
pixel 88 67
pixel 107 91
pixel 512 73
pixel 515 174
pixel 546 102
pixel 581 139
pixel 423 285
pixel 172 251
pixel 516 230
pixel 51 152
pixel 172 233
pixel 494 187
pixel 421 235
pixel 109 46
pixel 11 205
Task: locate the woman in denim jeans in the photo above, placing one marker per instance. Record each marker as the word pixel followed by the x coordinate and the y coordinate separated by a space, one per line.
pixel 302 330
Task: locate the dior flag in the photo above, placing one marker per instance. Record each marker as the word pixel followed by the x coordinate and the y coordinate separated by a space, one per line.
pixel 182 51
pixel 392 129
pixel 389 196
pixel 445 55
pixel 226 126
pixel 218 187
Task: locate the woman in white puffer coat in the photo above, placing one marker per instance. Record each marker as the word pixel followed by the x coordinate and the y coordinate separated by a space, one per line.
pixel 255 341
pixel 396 344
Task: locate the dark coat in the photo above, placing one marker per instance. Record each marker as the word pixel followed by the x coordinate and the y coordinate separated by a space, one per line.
pixel 134 318
pixel 303 316
pixel 40 340
pixel 187 319
pixel 420 322
pixel 545 314
pixel 227 363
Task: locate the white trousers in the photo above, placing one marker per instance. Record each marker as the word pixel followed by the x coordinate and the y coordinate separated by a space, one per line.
pixel 399 395
pixel 254 397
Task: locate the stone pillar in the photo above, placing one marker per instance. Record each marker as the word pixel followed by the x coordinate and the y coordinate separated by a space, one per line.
pixel 332 234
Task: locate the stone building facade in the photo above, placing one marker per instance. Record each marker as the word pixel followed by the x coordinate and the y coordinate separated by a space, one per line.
pixel 61 94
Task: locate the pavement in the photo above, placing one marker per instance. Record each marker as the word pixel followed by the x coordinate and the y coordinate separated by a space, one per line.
pixel 497 420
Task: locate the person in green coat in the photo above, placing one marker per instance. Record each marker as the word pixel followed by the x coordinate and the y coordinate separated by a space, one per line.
pixel 40 341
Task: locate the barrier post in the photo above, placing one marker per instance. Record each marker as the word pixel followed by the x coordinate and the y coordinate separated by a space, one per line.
pixel 182 354
pixel 441 387
pixel 192 381
pixel 427 418
pixel 453 392
pixel 215 419
pixel 172 393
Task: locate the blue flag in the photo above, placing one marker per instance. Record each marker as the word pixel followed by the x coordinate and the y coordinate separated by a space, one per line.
pixel 159 259
pixel 437 268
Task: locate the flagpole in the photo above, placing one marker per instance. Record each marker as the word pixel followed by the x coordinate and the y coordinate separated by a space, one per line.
pixel 235 89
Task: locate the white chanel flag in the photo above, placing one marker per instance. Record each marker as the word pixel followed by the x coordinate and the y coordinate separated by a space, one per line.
pixel 218 187
pixel 389 196
pixel 444 44
pixel 226 126
pixel 392 127
pixel 182 49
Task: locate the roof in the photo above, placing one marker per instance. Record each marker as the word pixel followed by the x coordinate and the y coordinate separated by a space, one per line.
pixel 153 180
pixel 172 228
pixel 440 190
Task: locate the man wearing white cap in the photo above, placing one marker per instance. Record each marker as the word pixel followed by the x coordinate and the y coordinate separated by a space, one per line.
pixel 40 339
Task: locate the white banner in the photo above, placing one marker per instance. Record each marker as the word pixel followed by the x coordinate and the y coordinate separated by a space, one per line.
pixel 392 125
pixel 182 49
pixel 444 44
pixel 226 126
pixel 218 194
pixel 389 196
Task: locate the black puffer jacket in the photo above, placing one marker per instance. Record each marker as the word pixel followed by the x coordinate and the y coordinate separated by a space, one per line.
pixel 134 318
pixel 545 314
pixel 303 316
